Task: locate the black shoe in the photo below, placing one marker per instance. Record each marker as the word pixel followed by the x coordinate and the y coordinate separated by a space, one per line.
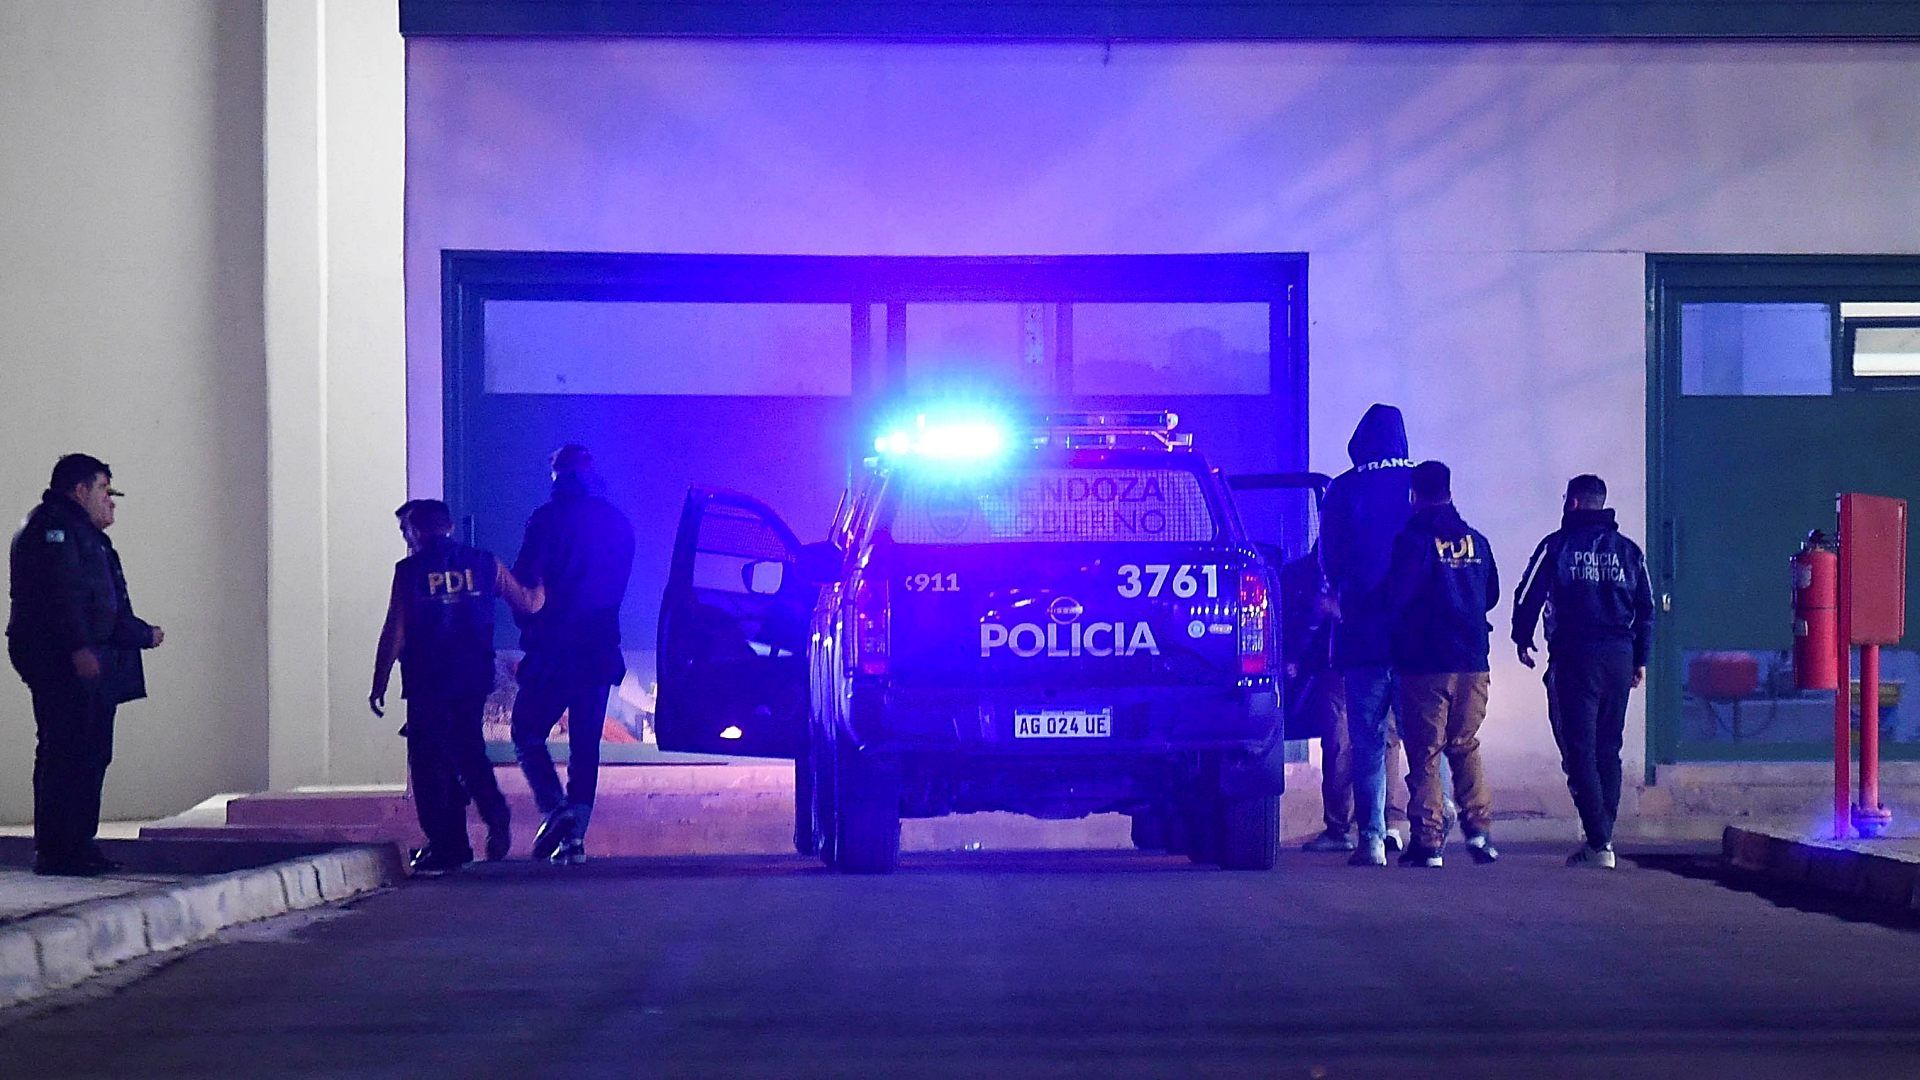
pixel 97 859
pixel 430 863
pixel 571 853
pixel 499 839
pixel 1420 855
pixel 75 867
pixel 556 830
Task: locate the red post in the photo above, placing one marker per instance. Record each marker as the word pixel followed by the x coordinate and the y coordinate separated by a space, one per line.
pixel 1843 708
pixel 1869 732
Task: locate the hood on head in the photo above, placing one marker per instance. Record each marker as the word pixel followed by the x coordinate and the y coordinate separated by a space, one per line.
pixel 1380 435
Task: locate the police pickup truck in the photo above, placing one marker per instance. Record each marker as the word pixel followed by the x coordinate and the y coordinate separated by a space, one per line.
pixel 1056 620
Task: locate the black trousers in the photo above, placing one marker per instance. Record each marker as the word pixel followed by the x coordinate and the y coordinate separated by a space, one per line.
pixel 73 719
pixel 1587 689
pixel 448 758
pixel 535 711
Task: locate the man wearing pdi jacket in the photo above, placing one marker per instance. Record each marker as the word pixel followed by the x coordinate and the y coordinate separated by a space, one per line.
pixel 1440 585
pixel 74 639
pixel 1591 585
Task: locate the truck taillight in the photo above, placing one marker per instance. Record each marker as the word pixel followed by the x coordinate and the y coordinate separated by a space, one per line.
pixel 1256 622
pixel 869 615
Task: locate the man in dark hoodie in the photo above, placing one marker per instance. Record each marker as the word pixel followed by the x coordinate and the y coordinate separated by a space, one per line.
pixel 579 547
pixel 1440 586
pixel 73 637
pixel 1591 584
pixel 1365 508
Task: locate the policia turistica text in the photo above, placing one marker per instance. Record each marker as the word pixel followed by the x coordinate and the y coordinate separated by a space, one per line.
pixel 73 637
pixel 440 627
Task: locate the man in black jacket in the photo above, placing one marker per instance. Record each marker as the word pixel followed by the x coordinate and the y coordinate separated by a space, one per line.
pixel 1591 584
pixel 1365 508
pixel 73 637
pixel 1441 583
pixel 440 628
pixel 579 547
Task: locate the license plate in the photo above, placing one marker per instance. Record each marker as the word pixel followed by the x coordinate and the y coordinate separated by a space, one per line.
pixel 1062 724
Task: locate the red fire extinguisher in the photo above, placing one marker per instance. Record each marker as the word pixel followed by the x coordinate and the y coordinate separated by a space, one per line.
pixel 1816 604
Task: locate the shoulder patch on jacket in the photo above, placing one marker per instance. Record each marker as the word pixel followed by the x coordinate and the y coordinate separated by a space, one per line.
pixel 56 536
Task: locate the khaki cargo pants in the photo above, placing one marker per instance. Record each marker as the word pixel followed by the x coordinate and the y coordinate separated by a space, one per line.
pixel 1441 714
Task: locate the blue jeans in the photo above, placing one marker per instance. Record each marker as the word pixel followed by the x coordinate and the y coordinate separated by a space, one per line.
pixel 1370 693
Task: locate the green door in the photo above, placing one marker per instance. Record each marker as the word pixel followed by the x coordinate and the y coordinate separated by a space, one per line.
pixel 1774 385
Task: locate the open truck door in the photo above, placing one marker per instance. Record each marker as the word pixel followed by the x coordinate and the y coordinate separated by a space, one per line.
pixel 733 632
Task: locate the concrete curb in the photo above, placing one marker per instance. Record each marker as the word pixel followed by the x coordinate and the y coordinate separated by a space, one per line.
pixel 1844 868
pixel 53 951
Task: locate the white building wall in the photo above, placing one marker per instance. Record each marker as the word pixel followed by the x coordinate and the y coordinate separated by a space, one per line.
pixel 1476 215
pixel 130 328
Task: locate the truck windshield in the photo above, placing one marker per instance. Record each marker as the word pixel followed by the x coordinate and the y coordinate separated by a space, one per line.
pixel 1054 504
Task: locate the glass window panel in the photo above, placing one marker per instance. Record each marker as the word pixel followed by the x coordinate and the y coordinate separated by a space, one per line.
pixel 603 347
pixel 1756 350
pixel 1886 351
pixel 1160 349
pixel 1748 696
pixel 1874 310
pixel 992 348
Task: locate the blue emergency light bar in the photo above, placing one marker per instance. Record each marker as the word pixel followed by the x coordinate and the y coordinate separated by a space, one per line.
pixel 965 439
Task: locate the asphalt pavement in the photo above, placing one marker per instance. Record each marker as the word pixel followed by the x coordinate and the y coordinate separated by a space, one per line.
pixel 1030 964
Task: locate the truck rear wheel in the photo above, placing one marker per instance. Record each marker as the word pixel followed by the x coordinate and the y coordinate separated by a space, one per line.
pixel 866 816
pixel 806 841
pixel 1249 832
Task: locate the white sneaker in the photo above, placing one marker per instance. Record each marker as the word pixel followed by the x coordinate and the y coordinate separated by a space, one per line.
pixel 1600 858
pixel 1371 852
pixel 1394 841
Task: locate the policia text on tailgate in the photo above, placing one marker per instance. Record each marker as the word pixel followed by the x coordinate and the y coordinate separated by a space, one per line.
pixel 1058 621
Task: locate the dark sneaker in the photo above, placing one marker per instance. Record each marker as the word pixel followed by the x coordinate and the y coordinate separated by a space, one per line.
pixel 1420 855
pixel 97 859
pixel 1592 858
pixel 66 868
pixel 1482 849
pixel 499 839
pixel 571 853
pixel 1369 853
pixel 430 863
pixel 555 830
pixel 1329 841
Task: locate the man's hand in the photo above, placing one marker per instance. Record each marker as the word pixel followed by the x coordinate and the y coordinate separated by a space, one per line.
pixel 159 636
pixel 1327 606
pixel 86 664
pixel 1639 676
pixel 377 701
pixel 1526 654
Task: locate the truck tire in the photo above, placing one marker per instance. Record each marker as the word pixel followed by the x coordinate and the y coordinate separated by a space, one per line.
pixel 805 840
pixel 1249 832
pixel 821 765
pixel 867 816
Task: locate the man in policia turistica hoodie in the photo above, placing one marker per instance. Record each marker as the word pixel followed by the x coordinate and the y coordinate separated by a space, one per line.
pixel 1365 508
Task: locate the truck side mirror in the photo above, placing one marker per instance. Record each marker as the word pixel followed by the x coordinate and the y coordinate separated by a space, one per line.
pixel 820 563
pixel 762 577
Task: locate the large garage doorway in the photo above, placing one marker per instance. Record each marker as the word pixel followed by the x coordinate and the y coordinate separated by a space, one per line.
pixel 770 374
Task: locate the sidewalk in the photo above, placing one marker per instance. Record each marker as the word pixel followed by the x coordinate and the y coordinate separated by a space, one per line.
pixel 56 932
pixel 1884 872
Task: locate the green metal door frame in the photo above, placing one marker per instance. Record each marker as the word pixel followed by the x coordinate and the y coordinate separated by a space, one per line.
pixel 1671 281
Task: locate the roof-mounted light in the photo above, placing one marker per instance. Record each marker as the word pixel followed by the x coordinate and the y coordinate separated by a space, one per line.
pixel 949 439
